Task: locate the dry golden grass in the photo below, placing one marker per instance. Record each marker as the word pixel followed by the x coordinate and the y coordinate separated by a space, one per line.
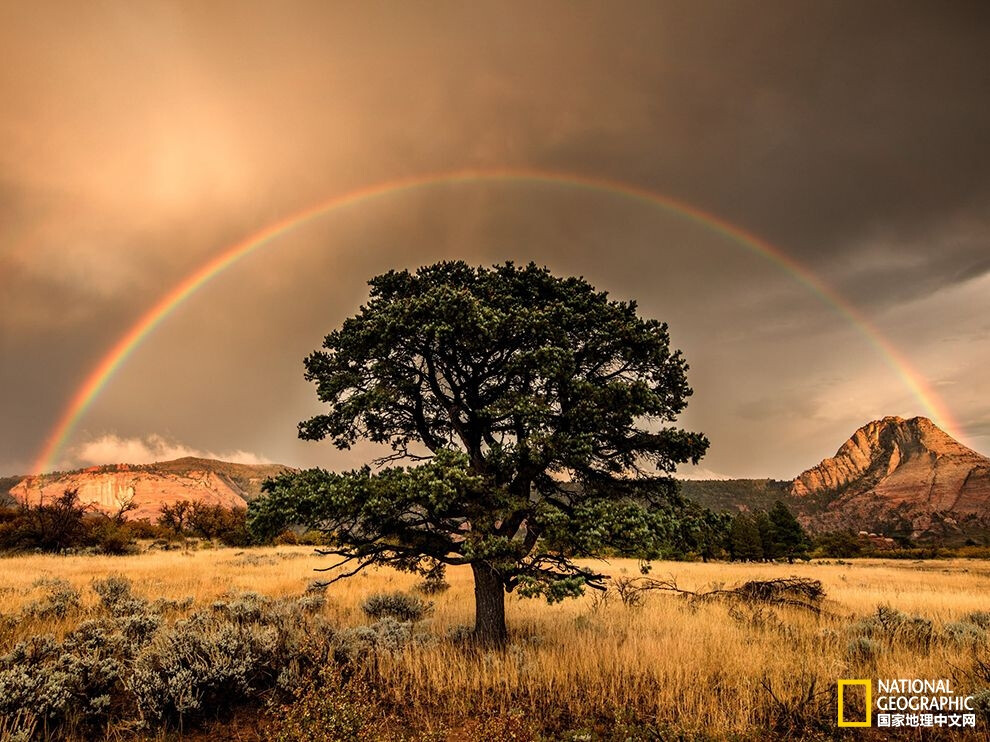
pixel 693 667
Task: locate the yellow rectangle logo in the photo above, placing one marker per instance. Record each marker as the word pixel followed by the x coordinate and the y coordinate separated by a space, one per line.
pixel 868 685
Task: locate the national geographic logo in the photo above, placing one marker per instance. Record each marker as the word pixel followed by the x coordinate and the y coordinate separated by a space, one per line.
pixel 868 685
pixel 907 703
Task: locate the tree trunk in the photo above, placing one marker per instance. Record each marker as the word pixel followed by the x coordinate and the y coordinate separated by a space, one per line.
pixel 489 605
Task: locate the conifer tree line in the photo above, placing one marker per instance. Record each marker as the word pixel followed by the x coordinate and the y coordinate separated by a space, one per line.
pixel 767 536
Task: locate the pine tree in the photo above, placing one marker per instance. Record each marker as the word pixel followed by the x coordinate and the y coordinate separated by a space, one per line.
pixel 789 538
pixel 744 539
pixel 768 536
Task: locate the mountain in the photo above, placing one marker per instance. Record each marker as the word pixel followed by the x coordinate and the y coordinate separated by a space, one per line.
pixel 898 477
pixel 893 477
pixel 149 486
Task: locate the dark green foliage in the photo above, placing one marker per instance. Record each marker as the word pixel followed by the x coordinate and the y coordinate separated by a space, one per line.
pixel 745 543
pixel 787 536
pixel 507 380
pixel 767 536
pixel 435 581
pixel 838 544
pixel 400 606
pixel 729 495
pixel 764 527
pixel 703 532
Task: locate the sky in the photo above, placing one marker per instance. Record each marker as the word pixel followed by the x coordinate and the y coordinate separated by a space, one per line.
pixel 141 140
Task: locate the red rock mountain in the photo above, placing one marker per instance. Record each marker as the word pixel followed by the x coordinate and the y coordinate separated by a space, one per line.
pixel 898 476
pixel 150 486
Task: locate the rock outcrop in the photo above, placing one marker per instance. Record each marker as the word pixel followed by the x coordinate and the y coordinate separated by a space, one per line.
pixel 898 476
pixel 149 487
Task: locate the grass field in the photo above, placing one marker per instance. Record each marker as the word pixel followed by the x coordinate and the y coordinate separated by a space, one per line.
pixel 711 669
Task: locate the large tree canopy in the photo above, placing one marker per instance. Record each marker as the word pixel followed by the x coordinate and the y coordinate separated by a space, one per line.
pixel 535 408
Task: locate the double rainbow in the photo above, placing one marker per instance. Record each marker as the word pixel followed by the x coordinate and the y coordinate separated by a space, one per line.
pixel 100 376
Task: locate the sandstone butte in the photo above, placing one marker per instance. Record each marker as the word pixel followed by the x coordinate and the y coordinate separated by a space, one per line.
pixel 149 487
pixel 897 476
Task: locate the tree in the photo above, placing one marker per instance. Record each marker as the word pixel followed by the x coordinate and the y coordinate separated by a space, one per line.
pixel 768 543
pixel 744 539
pixel 51 527
pixel 175 516
pixel 703 531
pixel 789 538
pixel 842 543
pixel 538 406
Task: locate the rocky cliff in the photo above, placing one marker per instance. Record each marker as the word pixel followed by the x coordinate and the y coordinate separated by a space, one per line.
pixel 897 476
pixel 148 487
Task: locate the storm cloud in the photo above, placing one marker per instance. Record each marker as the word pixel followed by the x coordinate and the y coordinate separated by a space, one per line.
pixel 141 139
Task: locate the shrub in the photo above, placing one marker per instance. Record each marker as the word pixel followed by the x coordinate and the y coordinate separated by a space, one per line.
pixel 894 626
pixel 79 680
pixel 964 632
pixel 400 606
pixel 800 711
pixel 317 587
pixel 287 537
pixel 331 711
pixel 978 618
pixel 981 702
pixel 387 635
pixel 109 536
pixel 60 599
pixel 435 581
pixel 126 662
pixel 49 526
pixel 203 662
pixel 228 525
pixel 863 649
pixel 116 596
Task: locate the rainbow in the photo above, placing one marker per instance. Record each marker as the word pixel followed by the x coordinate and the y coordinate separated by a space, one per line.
pixel 98 378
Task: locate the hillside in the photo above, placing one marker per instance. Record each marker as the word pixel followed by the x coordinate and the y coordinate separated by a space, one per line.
pixel 898 477
pixel 149 486
pixel 732 495
pixel 893 476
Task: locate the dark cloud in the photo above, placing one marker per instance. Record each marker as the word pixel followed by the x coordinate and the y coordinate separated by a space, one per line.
pixel 142 139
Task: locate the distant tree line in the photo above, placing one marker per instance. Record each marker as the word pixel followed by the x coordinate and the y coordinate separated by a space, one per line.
pixel 64 524
pixel 767 536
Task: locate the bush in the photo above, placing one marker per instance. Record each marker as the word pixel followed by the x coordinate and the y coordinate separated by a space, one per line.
pixel 964 632
pixel 435 581
pixel 978 618
pixel 51 527
pixel 60 599
pixel 204 662
pixel 228 525
pixel 400 606
pixel 862 649
pixel 109 536
pixel 127 662
pixel 893 626
pixel 332 711
pixel 116 596
pixel 981 703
